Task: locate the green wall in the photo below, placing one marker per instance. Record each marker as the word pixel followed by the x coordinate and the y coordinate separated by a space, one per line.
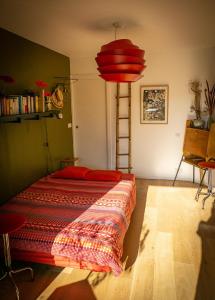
pixel 24 156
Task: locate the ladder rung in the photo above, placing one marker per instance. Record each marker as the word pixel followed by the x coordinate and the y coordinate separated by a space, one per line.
pixel 123 137
pixel 123 118
pixel 124 96
pixel 125 168
pixel 123 154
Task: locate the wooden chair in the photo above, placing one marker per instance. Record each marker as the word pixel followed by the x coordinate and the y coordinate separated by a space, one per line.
pixel 199 146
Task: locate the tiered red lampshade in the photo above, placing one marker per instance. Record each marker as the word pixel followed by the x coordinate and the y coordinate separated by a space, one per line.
pixel 120 61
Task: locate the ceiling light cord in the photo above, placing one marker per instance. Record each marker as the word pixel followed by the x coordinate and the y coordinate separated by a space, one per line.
pixel 116 26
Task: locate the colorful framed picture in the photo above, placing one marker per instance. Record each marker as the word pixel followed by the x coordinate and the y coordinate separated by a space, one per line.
pixel 154 104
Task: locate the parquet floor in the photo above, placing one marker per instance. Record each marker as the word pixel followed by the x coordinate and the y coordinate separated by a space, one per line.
pixel 169 254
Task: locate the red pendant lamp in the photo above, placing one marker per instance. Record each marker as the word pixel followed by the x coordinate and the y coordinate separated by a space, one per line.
pixel 120 61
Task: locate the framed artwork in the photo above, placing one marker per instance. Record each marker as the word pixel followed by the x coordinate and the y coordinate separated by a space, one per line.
pixel 154 104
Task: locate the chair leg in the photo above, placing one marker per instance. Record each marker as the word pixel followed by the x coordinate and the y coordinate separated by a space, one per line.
pixel 200 186
pixel 14 283
pixel 204 199
pixel 177 170
pixel 203 176
pixel 210 183
pixel 193 174
pixel 24 269
pixel 198 193
pixel 210 188
pixel 9 270
pixel 5 274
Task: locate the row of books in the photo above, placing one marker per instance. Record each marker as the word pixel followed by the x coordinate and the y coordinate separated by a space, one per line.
pixel 18 104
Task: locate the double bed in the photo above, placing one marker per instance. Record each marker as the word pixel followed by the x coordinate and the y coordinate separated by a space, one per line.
pixel 79 223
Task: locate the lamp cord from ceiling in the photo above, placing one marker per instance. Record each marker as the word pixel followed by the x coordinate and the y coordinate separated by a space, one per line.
pixel 116 26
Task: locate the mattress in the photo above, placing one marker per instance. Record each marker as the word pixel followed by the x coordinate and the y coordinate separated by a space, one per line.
pixel 76 223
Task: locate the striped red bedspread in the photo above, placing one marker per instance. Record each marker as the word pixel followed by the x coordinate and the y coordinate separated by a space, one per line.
pixel 75 223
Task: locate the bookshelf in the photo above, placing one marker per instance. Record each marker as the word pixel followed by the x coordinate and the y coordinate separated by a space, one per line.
pixel 16 108
pixel 30 116
pixel 21 104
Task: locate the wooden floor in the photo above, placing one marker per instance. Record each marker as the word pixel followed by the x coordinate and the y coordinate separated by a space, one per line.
pixel 169 254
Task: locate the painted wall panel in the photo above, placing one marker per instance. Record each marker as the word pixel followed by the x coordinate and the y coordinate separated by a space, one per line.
pixel 23 154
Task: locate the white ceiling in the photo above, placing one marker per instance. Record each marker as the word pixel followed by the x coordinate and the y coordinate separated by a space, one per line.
pixel 78 28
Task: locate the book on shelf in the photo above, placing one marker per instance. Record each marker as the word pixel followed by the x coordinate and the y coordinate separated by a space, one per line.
pixel 24 105
pixel 41 104
pixel 21 104
pixel 36 103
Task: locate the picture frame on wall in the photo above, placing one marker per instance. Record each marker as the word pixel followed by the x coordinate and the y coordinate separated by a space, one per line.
pixel 154 104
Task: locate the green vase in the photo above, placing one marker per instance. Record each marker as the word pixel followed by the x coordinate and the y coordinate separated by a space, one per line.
pixel 198 123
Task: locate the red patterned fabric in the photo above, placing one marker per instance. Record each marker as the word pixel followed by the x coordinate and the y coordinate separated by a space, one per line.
pixel 71 172
pixel 75 223
pixel 103 175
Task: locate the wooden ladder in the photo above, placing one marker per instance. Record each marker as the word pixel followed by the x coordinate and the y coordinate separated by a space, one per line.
pixel 119 136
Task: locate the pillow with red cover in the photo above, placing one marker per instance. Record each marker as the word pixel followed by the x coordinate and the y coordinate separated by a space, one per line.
pixel 71 172
pixel 103 175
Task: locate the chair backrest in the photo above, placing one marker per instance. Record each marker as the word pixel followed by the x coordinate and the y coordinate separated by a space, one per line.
pixel 195 142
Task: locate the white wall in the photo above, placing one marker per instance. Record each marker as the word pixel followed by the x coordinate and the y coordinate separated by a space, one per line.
pixel 156 149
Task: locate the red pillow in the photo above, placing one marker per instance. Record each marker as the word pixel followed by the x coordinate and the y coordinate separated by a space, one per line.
pixel 71 172
pixel 103 175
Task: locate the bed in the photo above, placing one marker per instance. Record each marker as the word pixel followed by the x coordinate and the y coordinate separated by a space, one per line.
pixel 77 223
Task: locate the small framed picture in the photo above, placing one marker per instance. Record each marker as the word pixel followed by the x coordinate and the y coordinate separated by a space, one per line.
pixel 154 104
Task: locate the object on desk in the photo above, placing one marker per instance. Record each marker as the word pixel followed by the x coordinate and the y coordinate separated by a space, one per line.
pixel 198 123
